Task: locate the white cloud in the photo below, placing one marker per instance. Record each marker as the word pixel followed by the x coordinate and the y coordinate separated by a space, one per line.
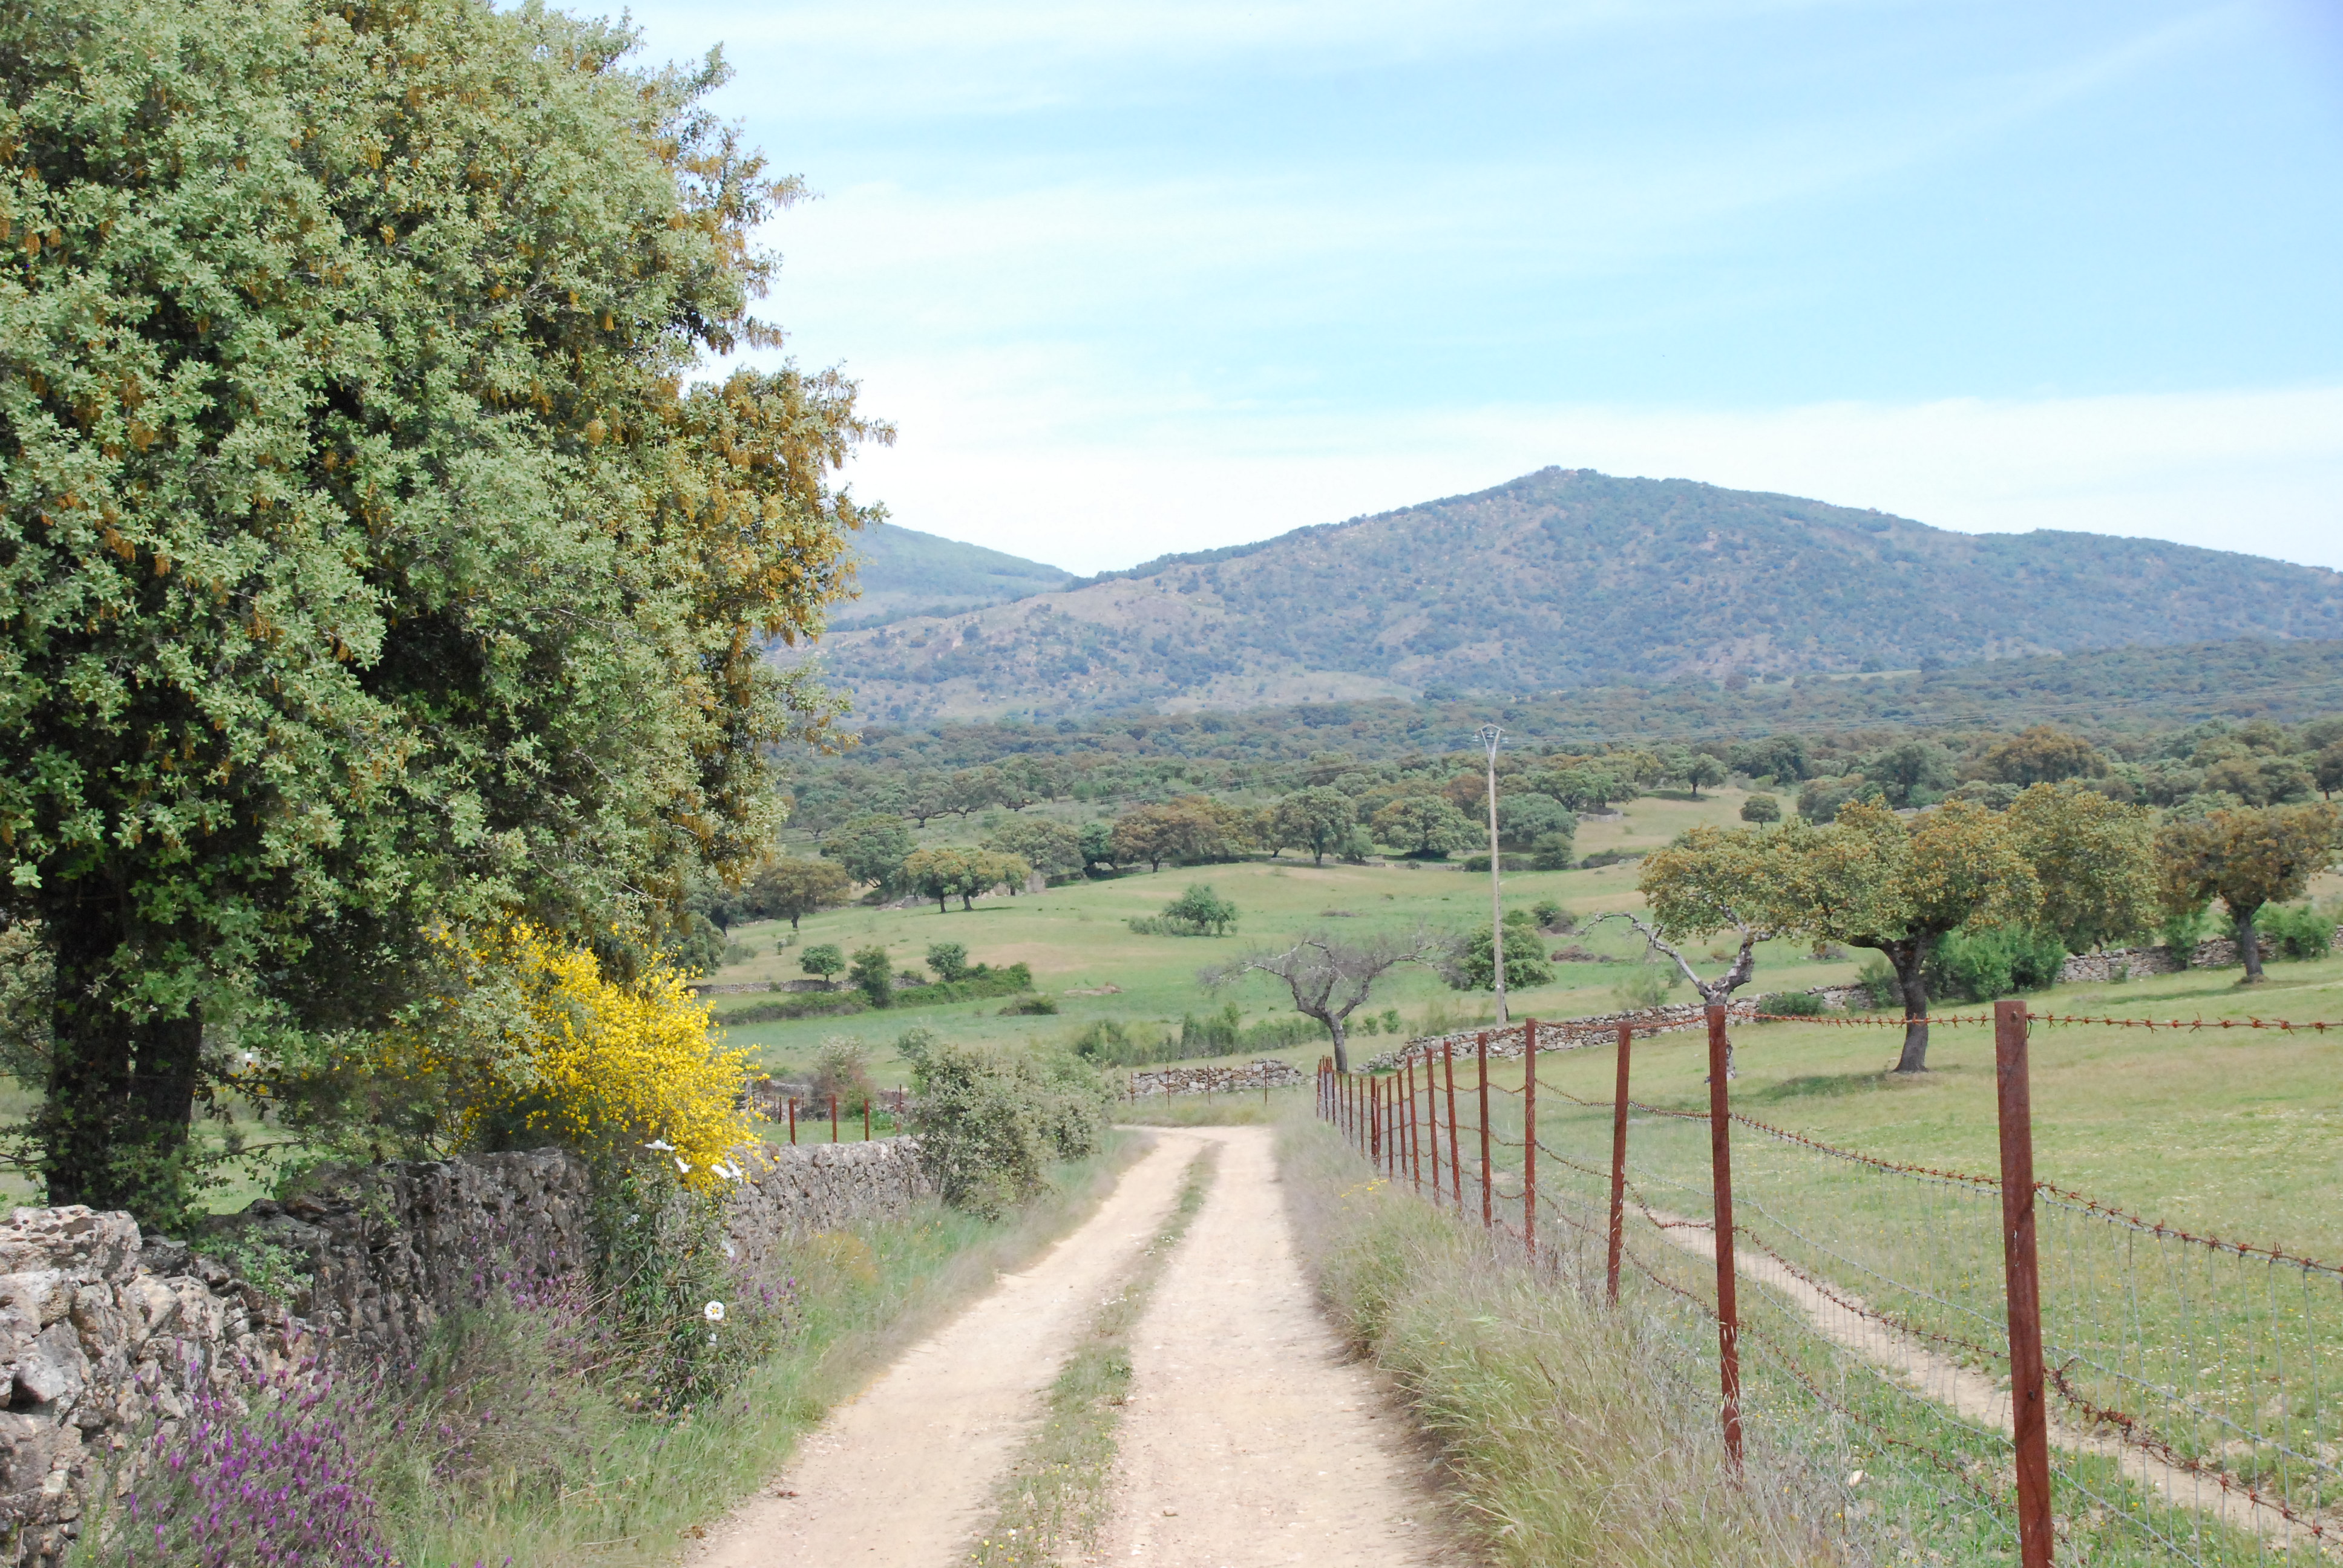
pixel 1022 463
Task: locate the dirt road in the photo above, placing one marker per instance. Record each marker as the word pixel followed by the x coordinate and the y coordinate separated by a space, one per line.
pixel 1251 1438
pixel 898 1477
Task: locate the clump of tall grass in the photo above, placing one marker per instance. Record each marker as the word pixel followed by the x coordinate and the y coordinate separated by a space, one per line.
pixel 1568 1428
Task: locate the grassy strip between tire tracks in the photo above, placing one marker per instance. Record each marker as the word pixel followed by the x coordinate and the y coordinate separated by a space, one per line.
pixel 1565 1434
pixel 649 1486
pixel 1052 1504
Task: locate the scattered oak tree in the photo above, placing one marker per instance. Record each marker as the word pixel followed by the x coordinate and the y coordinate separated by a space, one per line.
pixel 2094 860
pixel 1424 824
pixel 823 960
pixel 2247 860
pixel 1329 977
pixel 872 848
pixel 1877 880
pixel 789 889
pixel 1318 819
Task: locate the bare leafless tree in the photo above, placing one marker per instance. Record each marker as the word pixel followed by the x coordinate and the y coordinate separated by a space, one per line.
pixel 1330 977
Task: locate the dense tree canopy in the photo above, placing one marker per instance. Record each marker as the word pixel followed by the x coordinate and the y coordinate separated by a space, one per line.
pixel 365 562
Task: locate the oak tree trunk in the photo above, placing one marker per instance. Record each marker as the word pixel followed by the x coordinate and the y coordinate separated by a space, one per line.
pixel 2249 943
pixel 1907 955
pixel 121 1091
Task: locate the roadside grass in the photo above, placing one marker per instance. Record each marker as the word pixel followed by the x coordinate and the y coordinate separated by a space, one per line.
pixel 1570 1433
pixel 1053 1502
pixel 636 1490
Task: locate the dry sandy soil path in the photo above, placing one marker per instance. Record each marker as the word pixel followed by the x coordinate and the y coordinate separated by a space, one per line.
pixel 899 1476
pixel 1253 1439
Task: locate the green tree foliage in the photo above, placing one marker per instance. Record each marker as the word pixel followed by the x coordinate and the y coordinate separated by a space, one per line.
pixel 1895 885
pixel 2327 770
pixel 1703 771
pixel 2247 860
pixel 872 848
pixel 873 975
pixel 946 871
pixel 989 1121
pixel 1202 911
pixel 1784 758
pixel 2094 860
pixel 1425 826
pixel 365 563
pixel 822 959
pixel 1052 848
pixel 1987 964
pixel 1525 818
pixel 947 961
pixel 1191 829
pixel 1471 963
pixel 1318 819
pixel 1761 809
pixel 1098 846
pixel 2043 755
pixel 1910 773
pixel 789 889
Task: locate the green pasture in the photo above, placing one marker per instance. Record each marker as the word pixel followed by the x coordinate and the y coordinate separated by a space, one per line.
pixel 1078 943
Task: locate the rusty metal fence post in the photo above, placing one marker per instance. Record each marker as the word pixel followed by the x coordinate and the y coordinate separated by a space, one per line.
pixel 1414 1144
pixel 1481 1049
pixel 793 1119
pixel 1529 1137
pixel 1728 1309
pixel 1618 1166
pixel 1432 1125
pixel 866 1119
pixel 2029 1416
pixel 833 1118
pixel 1375 1125
pixel 1456 1149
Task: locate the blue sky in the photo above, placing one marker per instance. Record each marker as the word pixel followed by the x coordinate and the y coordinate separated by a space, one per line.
pixel 1147 277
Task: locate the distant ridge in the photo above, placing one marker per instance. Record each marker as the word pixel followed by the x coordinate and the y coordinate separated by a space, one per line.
pixel 905 572
pixel 1561 579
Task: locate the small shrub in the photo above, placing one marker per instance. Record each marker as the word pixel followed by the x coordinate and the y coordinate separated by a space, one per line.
pixel 1551 917
pixel 1610 858
pixel 1197 913
pixel 872 974
pixel 1791 1004
pixel 947 961
pixel 281 1478
pixel 658 1263
pixel 1979 966
pixel 988 1121
pixel 1552 852
pixel 828 1004
pixel 843 1067
pixel 2298 931
pixel 1032 1004
pixel 823 960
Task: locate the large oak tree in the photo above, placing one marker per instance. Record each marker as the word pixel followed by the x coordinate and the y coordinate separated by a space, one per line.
pixel 369 562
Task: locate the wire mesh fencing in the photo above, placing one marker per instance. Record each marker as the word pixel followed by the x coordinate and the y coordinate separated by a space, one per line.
pixel 2192 1393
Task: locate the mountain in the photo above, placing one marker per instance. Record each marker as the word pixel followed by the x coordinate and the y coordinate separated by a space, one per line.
pixel 905 572
pixel 1560 580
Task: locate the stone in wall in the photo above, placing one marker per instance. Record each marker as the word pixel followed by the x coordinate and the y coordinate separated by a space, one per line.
pixel 102 1329
pixel 1268 1072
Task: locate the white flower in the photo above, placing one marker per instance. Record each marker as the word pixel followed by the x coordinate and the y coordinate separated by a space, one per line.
pixel 713 1311
pixel 730 1251
pixel 682 1167
pixel 660 1144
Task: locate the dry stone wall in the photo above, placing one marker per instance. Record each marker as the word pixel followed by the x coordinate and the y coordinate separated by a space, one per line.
pixel 103 1329
pixel 1268 1073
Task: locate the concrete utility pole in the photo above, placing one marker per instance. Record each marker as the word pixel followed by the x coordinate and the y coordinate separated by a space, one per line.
pixel 1490 736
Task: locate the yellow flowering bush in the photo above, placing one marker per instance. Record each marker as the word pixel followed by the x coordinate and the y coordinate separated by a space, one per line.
pixel 538 1046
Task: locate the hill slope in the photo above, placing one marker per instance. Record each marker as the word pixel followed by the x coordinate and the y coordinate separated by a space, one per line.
pixel 905 572
pixel 1564 579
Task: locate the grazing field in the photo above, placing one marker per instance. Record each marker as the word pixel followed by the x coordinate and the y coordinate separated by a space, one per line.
pixel 1077 942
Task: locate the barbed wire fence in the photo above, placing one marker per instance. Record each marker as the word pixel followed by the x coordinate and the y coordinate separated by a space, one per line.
pixel 2168 1398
